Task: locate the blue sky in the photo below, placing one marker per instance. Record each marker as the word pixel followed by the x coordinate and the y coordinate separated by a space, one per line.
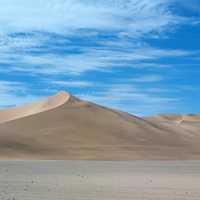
pixel 139 56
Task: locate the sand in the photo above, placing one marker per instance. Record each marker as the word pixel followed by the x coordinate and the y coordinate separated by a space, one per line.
pixel 89 180
pixel 154 158
pixel 66 128
pixel 34 108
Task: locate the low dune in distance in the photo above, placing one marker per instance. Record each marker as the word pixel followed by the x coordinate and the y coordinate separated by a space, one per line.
pixel 175 118
pixel 67 128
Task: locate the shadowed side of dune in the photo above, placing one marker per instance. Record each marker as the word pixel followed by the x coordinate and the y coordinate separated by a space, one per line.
pixel 81 130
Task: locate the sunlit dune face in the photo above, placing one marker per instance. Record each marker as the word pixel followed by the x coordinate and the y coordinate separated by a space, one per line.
pixel 34 108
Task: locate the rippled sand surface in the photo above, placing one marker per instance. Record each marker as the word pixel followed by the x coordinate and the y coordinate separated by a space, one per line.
pixel 90 180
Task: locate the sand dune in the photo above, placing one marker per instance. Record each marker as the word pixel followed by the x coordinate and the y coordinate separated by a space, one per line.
pixel 65 127
pixel 37 107
pixel 175 118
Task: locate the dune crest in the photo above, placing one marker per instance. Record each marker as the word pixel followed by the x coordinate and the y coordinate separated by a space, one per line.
pixel 34 108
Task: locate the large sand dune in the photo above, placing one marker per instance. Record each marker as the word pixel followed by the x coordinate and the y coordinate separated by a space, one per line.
pixel 64 127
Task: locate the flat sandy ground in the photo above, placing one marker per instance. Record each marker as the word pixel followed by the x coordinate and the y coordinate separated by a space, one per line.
pixel 91 180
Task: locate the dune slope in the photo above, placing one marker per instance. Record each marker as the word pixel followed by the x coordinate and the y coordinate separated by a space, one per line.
pixel 37 107
pixel 74 129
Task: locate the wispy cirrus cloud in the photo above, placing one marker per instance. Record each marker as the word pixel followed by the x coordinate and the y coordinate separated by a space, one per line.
pixel 74 43
pixel 31 37
pixel 148 78
pixel 14 93
pixel 136 17
pixel 10 86
pixel 72 84
pixel 89 59
pixel 129 97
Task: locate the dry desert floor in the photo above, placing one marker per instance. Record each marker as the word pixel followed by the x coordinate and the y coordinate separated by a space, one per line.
pixel 94 180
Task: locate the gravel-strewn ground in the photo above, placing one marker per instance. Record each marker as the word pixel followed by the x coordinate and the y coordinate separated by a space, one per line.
pixel 91 180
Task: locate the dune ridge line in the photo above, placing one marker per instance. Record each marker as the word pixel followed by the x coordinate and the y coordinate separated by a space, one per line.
pixel 34 108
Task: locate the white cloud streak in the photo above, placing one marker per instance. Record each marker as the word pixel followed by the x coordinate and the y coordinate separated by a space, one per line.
pixel 148 78
pixel 130 98
pixel 9 86
pixel 128 16
pixel 14 94
pixel 71 84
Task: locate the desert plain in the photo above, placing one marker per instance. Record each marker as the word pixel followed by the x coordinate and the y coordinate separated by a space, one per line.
pixel 100 180
pixel 64 148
